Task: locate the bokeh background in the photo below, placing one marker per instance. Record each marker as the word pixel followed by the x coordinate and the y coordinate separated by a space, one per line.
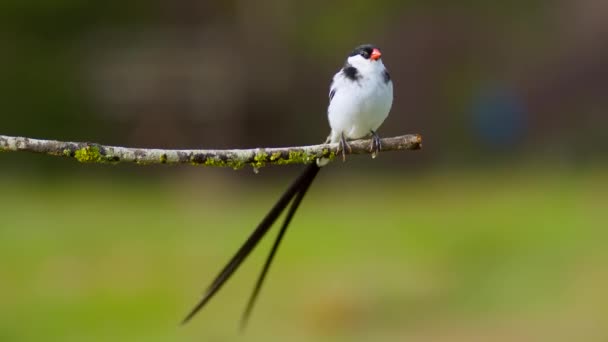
pixel 495 231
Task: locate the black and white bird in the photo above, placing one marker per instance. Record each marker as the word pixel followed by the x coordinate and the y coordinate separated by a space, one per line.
pixel 360 98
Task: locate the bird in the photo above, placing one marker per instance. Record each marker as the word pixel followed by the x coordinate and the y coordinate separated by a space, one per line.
pixel 360 99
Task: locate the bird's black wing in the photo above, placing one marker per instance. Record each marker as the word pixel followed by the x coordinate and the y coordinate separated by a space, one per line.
pixel 386 75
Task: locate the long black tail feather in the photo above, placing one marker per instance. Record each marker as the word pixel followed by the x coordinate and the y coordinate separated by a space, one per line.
pixel 301 183
pixel 292 210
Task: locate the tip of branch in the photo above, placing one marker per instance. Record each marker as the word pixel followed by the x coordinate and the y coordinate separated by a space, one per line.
pixel 418 141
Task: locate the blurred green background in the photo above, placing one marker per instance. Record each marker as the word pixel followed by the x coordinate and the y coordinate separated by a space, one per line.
pixel 495 231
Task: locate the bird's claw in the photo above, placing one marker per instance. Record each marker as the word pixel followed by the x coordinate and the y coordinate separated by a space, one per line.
pixel 343 145
pixel 376 145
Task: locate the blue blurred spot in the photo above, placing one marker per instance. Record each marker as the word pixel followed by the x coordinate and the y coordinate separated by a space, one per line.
pixel 499 117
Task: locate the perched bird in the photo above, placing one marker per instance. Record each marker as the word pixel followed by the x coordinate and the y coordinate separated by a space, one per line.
pixel 360 98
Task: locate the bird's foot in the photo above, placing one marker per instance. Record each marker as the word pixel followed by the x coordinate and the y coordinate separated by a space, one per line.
pixel 376 144
pixel 343 146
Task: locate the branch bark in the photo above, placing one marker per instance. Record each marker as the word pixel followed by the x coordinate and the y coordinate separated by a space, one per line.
pixel 86 152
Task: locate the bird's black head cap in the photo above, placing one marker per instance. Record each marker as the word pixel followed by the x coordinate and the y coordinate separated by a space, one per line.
pixel 364 50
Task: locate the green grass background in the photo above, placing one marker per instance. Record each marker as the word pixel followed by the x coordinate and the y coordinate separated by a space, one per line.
pixel 497 255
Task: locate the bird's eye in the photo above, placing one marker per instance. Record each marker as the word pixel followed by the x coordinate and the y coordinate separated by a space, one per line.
pixel 364 54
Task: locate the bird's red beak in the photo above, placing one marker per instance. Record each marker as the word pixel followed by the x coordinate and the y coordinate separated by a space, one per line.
pixel 376 54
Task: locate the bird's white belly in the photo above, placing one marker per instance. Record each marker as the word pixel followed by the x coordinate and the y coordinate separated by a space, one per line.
pixel 358 111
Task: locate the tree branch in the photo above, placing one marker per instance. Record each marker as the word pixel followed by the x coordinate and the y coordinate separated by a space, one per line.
pixel 235 158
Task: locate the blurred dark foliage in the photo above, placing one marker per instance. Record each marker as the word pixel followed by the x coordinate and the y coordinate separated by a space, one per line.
pixel 478 80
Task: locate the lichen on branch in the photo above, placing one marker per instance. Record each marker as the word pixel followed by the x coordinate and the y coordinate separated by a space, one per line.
pixel 85 152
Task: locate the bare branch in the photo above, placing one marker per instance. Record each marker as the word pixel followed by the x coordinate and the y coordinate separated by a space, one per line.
pixel 256 157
